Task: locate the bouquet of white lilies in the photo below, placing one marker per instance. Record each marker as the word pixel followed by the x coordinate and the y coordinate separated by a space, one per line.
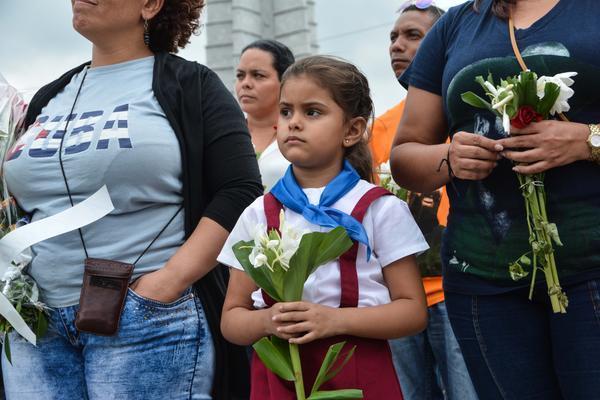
pixel 519 101
pixel 18 288
pixel 280 263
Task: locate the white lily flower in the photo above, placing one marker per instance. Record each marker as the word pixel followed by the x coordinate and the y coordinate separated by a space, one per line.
pixel 491 88
pixel 502 103
pixel 11 274
pixel 384 168
pixel 563 80
pixel 505 121
pixel 260 260
pixel 272 244
pixel 290 240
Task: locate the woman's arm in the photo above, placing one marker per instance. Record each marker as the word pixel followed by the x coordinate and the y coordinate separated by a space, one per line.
pixel 406 315
pixel 194 259
pixel 419 147
pixel 231 182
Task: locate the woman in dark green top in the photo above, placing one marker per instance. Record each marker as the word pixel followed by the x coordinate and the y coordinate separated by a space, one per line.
pixel 514 348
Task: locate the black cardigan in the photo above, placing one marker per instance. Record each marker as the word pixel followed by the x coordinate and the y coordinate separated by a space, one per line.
pixel 220 179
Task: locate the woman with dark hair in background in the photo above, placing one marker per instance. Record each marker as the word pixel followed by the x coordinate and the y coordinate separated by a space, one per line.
pixel 258 77
pixel 514 348
pixel 172 146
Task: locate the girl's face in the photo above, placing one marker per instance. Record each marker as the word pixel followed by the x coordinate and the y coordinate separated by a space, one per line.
pixel 257 83
pixel 312 128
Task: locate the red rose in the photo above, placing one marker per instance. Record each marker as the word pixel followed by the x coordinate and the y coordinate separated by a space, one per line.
pixel 525 115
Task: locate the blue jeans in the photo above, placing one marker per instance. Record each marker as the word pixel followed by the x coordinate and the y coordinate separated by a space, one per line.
pixel 519 349
pixel 430 365
pixel 161 351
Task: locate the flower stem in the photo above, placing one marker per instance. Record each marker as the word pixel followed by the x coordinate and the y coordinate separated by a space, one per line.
pixel 297 367
pixel 535 206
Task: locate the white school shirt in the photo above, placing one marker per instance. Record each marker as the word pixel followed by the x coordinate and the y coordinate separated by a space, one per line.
pixel 272 165
pixel 393 234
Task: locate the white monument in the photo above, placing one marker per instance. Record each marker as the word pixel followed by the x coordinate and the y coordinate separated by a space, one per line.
pixel 233 24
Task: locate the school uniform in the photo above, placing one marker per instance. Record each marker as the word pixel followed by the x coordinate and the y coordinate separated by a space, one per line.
pixel 351 281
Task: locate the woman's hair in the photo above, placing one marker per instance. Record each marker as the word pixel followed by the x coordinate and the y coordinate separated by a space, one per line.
pixel 434 12
pixel 500 8
pixel 171 28
pixel 349 89
pixel 282 55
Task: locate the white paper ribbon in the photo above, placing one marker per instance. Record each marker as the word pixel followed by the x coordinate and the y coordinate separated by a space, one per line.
pixel 14 243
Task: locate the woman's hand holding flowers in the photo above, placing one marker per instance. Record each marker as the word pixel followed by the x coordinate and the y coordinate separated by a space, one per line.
pixel 472 156
pixel 547 144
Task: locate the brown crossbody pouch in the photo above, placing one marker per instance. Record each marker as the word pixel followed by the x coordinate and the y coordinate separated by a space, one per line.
pixel 105 282
pixel 104 289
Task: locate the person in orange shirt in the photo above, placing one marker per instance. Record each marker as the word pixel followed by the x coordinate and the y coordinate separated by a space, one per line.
pixel 429 365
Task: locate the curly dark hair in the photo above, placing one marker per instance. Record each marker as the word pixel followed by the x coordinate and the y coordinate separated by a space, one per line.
pixel 171 28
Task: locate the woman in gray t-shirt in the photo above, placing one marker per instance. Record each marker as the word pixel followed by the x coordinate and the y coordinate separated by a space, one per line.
pixel 171 145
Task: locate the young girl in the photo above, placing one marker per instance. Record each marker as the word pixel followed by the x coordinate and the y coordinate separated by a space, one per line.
pixel 373 292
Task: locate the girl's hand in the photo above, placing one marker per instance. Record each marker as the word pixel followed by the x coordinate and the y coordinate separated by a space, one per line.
pixel 548 144
pixel 303 322
pixel 273 322
pixel 473 157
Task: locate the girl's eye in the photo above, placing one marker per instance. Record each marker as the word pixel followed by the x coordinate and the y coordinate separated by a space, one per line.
pixel 285 112
pixel 259 76
pixel 313 113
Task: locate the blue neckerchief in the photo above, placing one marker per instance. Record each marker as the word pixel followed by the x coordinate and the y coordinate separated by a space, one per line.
pixel 290 194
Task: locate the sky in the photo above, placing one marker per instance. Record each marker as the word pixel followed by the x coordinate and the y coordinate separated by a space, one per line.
pixel 38 43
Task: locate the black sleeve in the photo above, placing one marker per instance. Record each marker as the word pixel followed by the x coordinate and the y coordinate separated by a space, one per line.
pixel 230 167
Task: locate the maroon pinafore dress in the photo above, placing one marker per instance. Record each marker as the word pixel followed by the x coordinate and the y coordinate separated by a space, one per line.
pixel 370 368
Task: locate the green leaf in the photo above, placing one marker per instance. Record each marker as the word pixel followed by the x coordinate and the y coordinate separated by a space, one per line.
pixel 330 357
pixel 260 276
pixel 528 88
pixel 524 260
pixel 551 93
pixel 315 249
pixel 473 100
pixel 282 346
pixel 334 372
pixel 337 394
pixel 552 231
pixel 516 271
pixel 332 245
pixel 274 359
pixel 7 347
pixel 41 326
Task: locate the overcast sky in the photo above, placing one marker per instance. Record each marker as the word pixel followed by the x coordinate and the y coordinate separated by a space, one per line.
pixel 38 43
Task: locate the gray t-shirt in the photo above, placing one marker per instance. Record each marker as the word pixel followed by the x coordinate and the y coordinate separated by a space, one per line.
pixel 118 135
